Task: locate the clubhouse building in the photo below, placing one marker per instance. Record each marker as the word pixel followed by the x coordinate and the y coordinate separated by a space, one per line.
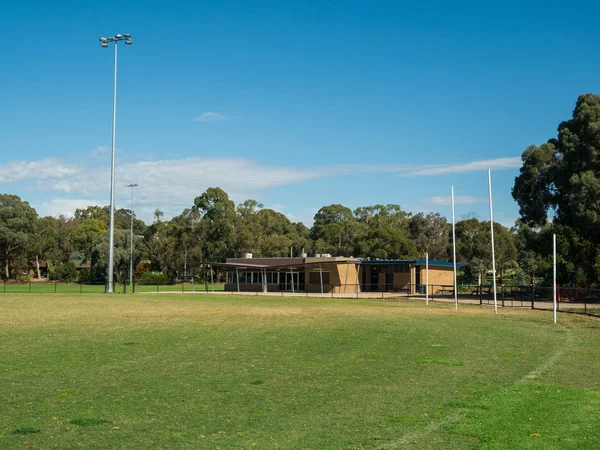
pixel 337 275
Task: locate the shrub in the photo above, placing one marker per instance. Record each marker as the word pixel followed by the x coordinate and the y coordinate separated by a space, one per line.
pixel 65 272
pixel 154 278
pixel 83 275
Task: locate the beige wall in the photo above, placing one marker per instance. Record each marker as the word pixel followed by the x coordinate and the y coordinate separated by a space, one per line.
pixel 342 277
pixel 438 275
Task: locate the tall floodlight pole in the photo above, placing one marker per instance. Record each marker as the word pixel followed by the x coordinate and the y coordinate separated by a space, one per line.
pixel 131 241
pixel 554 275
pixel 111 241
pixel 492 231
pixel 454 253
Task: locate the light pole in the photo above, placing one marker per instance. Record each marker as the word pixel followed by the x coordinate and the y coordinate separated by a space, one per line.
pixel 131 241
pixel 111 256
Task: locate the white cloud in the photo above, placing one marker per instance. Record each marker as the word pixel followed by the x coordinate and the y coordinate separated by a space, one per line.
pixel 64 206
pixel 172 184
pixel 513 162
pixel 458 199
pixel 44 169
pixel 210 117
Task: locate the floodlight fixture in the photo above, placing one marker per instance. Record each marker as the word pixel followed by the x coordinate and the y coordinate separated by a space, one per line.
pixel 104 44
pixel 128 42
pixel 119 36
pixel 126 35
pixel 102 39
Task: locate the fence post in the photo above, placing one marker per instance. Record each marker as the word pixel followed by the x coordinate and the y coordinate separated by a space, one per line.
pixel 502 292
pixel 157 288
pixel 30 287
pixel 81 288
pixel 55 287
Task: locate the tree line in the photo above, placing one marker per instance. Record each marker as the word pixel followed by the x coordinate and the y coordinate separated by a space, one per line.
pixel 557 190
pixel 214 228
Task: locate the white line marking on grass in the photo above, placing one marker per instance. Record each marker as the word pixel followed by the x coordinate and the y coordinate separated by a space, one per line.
pixel 550 361
pixel 418 435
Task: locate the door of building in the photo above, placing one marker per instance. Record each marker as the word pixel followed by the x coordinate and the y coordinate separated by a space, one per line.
pixel 374 282
pixel 289 279
pixel 389 281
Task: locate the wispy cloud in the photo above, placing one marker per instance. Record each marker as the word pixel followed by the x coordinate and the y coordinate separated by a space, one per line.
pixel 210 117
pixel 513 162
pixel 44 169
pixel 66 206
pixel 458 199
pixel 172 184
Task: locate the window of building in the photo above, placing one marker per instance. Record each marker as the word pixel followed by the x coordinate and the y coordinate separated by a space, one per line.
pixel 315 278
pixel 401 268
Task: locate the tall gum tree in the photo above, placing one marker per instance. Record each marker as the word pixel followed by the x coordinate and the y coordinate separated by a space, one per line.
pixel 560 182
pixel 18 223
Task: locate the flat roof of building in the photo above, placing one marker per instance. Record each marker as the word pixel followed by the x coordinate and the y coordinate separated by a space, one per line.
pixel 280 263
pixel 417 262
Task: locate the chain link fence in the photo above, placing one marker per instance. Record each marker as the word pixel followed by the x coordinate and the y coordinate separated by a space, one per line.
pixel 576 300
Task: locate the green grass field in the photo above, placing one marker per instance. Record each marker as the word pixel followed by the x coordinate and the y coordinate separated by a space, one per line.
pixel 227 372
pixel 74 288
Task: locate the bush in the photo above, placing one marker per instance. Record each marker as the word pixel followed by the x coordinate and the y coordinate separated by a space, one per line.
pixel 154 278
pixel 83 275
pixel 65 272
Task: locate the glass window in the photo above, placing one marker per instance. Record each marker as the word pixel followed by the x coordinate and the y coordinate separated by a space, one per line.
pixel 401 268
pixel 315 278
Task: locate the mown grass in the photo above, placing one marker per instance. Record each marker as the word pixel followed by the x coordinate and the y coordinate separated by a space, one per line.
pixel 147 371
pixel 74 288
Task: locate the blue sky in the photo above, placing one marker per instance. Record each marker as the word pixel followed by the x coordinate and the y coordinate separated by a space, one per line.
pixel 295 104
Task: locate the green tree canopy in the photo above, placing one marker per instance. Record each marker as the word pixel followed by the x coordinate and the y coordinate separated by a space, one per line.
pixel 559 182
pixel 18 224
pixel 218 219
